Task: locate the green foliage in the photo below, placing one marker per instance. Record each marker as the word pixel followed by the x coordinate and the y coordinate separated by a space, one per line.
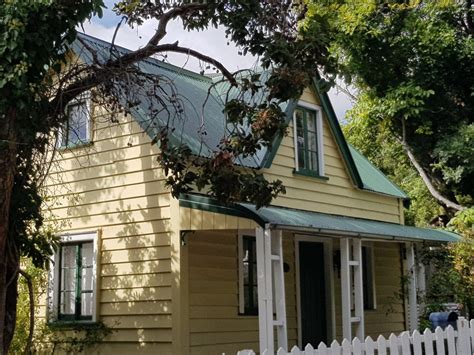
pixel 39 278
pixel 411 63
pixel 70 338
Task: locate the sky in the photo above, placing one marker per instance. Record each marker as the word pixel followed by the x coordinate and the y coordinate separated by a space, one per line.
pixel 211 42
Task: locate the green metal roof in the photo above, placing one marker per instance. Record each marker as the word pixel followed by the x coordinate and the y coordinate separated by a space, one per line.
pixel 372 178
pixel 293 219
pixel 193 89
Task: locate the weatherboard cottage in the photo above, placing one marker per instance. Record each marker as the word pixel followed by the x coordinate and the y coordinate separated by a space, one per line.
pixel 189 275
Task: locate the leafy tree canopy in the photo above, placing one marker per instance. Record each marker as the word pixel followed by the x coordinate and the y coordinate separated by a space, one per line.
pixel 411 63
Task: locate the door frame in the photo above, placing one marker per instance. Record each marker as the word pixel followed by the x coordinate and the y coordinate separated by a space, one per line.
pixel 329 284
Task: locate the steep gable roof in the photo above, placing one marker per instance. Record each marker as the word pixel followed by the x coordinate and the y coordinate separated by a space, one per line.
pixel 193 90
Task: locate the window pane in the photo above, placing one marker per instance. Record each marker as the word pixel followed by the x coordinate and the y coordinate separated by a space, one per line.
pixel 86 304
pixel 300 138
pixel 78 120
pixel 313 151
pixel 68 257
pixel 87 254
pixel 68 302
pixel 86 279
pixel 68 280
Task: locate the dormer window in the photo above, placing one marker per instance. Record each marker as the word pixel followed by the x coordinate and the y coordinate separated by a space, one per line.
pixel 77 130
pixel 308 140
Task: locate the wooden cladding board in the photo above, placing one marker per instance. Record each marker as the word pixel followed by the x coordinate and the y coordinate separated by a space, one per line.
pixel 214 321
pixel 116 187
pixel 337 195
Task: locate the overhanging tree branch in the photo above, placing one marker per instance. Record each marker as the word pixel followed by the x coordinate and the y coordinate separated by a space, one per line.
pixel 426 180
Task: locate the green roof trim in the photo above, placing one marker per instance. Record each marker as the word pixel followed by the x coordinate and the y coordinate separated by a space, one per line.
pixel 339 136
pixel 293 219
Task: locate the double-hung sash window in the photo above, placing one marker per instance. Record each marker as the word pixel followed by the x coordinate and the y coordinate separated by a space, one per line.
pixel 308 141
pixel 77 129
pixel 248 296
pixel 75 289
pixel 73 280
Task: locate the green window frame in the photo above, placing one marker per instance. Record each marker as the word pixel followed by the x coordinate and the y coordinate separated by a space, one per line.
pixel 307 141
pixel 76 282
pixel 248 276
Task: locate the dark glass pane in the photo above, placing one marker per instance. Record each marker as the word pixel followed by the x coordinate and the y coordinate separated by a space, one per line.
pixel 300 143
pixel 77 124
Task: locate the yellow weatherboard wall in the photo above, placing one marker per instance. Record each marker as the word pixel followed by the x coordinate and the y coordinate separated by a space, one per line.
pixel 115 186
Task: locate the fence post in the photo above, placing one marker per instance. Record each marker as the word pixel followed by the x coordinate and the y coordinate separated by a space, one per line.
pixel 463 342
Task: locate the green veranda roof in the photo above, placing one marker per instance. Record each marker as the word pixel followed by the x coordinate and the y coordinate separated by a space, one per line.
pixel 293 219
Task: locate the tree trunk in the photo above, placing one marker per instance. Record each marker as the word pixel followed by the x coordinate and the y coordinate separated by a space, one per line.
pixel 8 149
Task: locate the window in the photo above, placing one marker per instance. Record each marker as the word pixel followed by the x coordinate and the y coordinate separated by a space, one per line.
pixel 368 281
pixel 77 129
pixel 73 280
pixel 308 141
pixel 248 297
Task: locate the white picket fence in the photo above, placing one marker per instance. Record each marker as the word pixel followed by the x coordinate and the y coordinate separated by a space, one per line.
pixel 441 342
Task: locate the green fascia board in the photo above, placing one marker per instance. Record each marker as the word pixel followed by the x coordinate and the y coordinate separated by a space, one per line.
pixel 338 135
pixel 205 203
pixel 375 180
pixel 316 222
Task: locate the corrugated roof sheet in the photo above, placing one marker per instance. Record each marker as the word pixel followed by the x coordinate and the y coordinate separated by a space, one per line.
pixel 202 126
pixel 293 219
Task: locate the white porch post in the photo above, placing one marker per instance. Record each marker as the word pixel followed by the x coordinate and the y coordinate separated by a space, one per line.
pixel 269 274
pixel 358 289
pixel 265 337
pixel 346 289
pixel 412 286
pixel 351 264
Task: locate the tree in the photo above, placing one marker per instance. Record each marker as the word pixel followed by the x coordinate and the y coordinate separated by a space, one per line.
pixel 38 78
pixel 411 63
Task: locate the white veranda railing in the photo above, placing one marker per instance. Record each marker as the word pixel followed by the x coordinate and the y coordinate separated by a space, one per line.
pixel 447 341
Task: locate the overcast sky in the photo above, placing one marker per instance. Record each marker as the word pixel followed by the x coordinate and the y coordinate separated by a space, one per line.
pixel 211 42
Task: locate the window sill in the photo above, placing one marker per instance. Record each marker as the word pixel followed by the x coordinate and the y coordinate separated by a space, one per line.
pixel 73 324
pixel 75 146
pixel 310 174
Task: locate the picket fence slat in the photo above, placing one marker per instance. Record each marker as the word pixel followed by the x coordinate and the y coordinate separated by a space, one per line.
pixel 450 337
pixel 471 328
pixel 428 341
pixel 447 341
pixel 382 345
pixel 417 343
pixel 439 337
pixel 369 346
pixel 405 342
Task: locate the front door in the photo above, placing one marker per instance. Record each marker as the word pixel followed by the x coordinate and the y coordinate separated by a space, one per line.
pixel 312 293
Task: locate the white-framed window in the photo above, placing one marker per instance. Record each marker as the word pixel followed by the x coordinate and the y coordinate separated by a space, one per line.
pixel 368 276
pixel 248 287
pixel 73 279
pixel 308 139
pixel 77 129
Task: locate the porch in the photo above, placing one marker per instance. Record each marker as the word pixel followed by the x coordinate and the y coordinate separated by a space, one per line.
pixel 333 253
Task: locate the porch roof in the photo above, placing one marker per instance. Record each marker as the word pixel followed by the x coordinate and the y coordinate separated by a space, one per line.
pixel 294 219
